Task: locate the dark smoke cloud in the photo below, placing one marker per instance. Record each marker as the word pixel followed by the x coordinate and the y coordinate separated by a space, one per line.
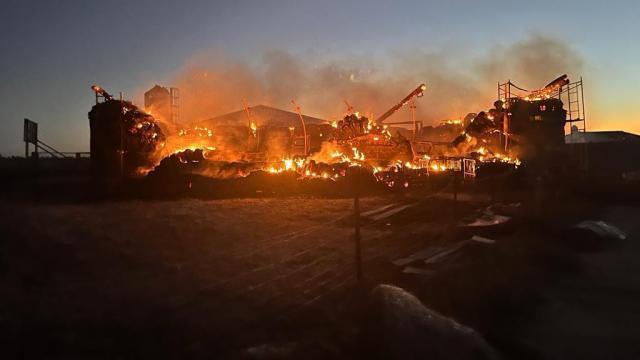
pixel 532 62
pixel 457 82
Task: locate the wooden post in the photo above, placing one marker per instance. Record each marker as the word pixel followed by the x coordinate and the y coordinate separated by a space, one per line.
pixel 121 152
pixel 455 198
pixel 356 222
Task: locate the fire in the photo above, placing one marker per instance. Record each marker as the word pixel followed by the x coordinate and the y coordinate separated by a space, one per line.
pixel 537 97
pixel 357 155
pixel 194 148
pixel 489 156
pixel 337 154
pixel 196 131
pixel 341 157
pixel 288 164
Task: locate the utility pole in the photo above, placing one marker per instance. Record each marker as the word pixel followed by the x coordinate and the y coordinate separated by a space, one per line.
pixel 304 128
pixel 253 127
pixel 413 116
pixel 455 198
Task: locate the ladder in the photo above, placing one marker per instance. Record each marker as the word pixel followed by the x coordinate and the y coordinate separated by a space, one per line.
pixel 575 105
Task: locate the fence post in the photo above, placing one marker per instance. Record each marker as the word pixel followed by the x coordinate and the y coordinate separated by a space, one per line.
pixel 455 198
pixel 356 222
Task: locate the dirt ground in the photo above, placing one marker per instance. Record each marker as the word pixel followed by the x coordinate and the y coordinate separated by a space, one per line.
pixel 221 278
pixel 594 314
pixel 186 276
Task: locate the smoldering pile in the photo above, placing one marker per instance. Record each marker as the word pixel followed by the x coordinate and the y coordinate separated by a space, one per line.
pixel 188 173
pixel 195 162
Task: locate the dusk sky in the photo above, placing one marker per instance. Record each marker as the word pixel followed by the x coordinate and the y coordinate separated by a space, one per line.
pixel 53 51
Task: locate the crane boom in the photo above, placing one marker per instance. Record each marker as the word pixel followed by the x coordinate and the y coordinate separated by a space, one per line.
pixel 102 92
pixel 415 93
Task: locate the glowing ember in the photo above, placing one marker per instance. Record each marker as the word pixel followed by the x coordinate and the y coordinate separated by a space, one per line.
pixel 288 164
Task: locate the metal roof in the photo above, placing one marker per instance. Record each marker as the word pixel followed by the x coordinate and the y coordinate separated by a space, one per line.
pixel 600 137
pixel 262 115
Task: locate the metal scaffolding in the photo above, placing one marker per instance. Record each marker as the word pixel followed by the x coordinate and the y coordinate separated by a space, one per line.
pixel 571 95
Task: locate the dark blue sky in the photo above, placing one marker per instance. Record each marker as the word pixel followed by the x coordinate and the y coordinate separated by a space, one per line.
pixel 52 51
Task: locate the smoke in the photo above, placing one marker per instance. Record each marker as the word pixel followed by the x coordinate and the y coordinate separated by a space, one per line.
pixel 532 62
pixel 457 82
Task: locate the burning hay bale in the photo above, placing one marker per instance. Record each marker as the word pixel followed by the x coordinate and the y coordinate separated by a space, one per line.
pixel 191 171
pixel 373 141
pixel 179 163
pixel 124 139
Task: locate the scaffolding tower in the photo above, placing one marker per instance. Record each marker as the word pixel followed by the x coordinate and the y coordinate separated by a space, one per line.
pixel 571 95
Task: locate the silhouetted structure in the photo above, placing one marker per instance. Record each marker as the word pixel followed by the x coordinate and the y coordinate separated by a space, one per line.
pixel 604 155
pixel 163 103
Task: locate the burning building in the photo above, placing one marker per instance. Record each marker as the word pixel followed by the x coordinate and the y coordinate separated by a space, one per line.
pixel 534 121
pixel 262 138
pixel 529 124
pixel 262 133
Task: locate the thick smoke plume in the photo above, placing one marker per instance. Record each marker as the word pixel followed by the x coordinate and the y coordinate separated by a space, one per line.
pixel 457 83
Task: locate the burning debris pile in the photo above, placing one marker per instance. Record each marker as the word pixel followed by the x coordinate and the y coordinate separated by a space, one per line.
pixel 124 138
pixel 330 150
pixel 248 146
